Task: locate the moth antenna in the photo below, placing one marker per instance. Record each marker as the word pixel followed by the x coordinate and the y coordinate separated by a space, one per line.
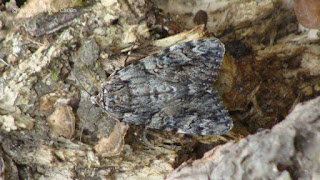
pixel 82 128
pixel 93 98
pixel 208 6
pixel 78 80
pixel 129 53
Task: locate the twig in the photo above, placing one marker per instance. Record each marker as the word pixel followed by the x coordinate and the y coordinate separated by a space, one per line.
pixel 5 62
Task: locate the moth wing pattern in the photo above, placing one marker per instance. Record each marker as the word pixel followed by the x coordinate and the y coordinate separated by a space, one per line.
pixel 171 90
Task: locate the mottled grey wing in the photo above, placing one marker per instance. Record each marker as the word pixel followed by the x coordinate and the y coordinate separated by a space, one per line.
pixel 171 90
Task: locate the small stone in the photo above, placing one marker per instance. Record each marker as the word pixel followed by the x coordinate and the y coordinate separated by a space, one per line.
pixel 89 52
pixel 112 145
pixel 201 17
pixel 12 59
pixel 308 13
pixel 23 121
pixel 311 63
pixel 108 3
pixel 48 101
pixel 8 123
pixel 62 121
pixel 307 89
pixel 46 104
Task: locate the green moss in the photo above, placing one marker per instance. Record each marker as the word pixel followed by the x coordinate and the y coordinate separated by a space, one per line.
pixel 77 3
pixel 55 69
pixel 55 75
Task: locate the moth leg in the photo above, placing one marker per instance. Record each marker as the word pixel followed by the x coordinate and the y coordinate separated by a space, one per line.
pixel 152 146
pixel 145 139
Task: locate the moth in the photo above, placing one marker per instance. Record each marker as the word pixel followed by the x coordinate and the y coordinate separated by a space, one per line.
pixel 172 90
